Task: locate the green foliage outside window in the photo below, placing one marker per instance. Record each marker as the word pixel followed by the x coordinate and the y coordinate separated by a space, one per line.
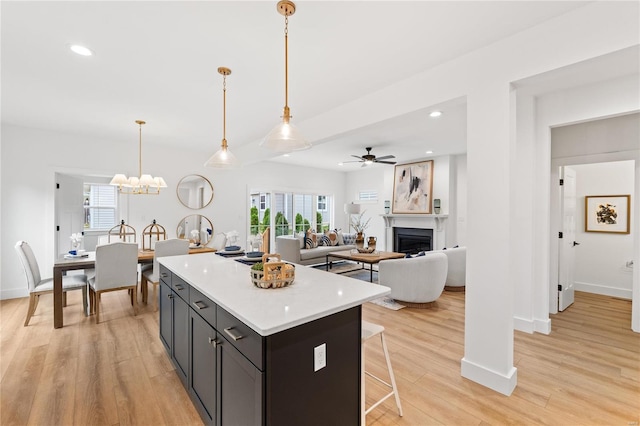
pixel 255 220
pixel 282 225
pixel 266 220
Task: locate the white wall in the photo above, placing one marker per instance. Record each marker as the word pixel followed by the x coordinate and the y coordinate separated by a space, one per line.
pixel 601 257
pixel 31 157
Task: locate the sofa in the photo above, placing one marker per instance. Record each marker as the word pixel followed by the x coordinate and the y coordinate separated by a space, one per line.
pixel 416 282
pixel 291 248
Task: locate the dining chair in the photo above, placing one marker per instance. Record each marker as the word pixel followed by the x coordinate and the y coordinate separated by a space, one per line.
pixel 219 242
pixel 164 248
pixel 266 239
pixel 116 269
pixel 38 286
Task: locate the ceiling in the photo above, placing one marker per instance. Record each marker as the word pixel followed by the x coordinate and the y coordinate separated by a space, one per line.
pixel 157 61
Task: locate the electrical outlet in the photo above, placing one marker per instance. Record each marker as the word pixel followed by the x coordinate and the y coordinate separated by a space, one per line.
pixel 319 357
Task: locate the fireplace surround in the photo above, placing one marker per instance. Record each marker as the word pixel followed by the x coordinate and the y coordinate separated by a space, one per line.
pixel 412 240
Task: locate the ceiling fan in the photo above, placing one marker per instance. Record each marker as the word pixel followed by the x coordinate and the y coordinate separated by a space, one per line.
pixel 369 158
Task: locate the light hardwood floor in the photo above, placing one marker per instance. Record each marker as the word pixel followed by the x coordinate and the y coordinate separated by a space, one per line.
pixel 117 373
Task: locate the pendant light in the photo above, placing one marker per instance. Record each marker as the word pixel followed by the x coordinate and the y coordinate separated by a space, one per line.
pixel 285 137
pixel 143 184
pixel 223 158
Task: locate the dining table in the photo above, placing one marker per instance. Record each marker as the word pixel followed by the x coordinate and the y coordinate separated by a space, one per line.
pixel 88 261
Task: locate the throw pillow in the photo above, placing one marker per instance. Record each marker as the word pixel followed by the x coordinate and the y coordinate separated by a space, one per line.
pixel 324 241
pixel 340 238
pixel 331 237
pixel 310 241
pixel 349 239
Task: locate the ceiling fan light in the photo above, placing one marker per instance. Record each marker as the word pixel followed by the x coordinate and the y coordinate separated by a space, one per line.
pixel 285 137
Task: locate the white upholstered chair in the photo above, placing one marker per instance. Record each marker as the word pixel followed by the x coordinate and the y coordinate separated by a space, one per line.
pixel 164 248
pixel 37 285
pixel 415 282
pixel 116 269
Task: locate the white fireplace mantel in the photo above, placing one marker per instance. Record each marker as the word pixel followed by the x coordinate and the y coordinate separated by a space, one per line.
pixel 424 221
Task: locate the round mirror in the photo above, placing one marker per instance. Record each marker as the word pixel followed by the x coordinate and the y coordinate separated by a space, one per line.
pixel 195 191
pixel 197 229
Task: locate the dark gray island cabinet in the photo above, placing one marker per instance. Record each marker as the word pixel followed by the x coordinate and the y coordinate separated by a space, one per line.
pixel 250 356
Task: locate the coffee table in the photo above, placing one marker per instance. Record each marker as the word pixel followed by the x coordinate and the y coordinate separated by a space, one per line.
pixel 364 258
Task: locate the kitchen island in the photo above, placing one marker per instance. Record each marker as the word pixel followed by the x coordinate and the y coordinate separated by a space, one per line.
pixel 252 356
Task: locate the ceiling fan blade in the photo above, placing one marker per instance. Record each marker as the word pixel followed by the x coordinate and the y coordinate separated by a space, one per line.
pixel 358 157
pixel 385 157
pixel 386 162
pixel 353 161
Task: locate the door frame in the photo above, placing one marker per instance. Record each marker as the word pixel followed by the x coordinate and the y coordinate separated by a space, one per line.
pixel 556 163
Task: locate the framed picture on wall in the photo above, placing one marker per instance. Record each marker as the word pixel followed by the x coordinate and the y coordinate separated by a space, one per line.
pixel 607 213
pixel 412 187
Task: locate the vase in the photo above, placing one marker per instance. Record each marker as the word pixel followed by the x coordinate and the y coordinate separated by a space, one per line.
pixel 372 242
pixel 359 240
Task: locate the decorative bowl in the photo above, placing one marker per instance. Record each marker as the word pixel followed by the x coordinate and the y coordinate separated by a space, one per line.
pixel 366 249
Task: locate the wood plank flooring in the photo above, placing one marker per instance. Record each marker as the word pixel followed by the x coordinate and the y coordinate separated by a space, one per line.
pixel 587 372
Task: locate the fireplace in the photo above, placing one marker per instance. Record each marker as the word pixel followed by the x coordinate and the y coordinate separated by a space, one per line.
pixel 412 240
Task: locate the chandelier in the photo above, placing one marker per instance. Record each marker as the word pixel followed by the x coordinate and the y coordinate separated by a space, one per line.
pixel 285 137
pixel 143 184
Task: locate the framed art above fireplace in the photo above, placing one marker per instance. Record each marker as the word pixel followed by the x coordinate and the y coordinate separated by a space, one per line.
pixel 412 187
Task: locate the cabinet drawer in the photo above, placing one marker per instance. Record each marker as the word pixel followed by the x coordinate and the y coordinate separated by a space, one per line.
pixel 247 341
pixel 203 306
pixel 165 275
pixel 181 287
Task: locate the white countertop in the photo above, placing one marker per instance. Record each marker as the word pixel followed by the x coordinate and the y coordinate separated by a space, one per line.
pixel 314 294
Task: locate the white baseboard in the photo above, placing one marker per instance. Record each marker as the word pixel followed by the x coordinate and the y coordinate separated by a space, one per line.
pixel 491 379
pixel 542 326
pixel 522 324
pixel 604 290
pixel 532 326
pixel 13 293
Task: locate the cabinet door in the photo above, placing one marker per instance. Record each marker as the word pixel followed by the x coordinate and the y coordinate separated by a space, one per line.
pixel 180 353
pixel 203 367
pixel 240 388
pixel 166 324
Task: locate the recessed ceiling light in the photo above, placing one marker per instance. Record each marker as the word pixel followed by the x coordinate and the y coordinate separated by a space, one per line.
pixel 429 152
pixel 340 164
pixel 81 50
pixel 435 114
pixel 286 155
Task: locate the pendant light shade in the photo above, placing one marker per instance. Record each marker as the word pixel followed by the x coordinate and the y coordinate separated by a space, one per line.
pixel 223 158
pixel 285 137
pixel 144 184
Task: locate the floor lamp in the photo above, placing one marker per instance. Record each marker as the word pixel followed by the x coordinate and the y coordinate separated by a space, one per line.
pixel 351 209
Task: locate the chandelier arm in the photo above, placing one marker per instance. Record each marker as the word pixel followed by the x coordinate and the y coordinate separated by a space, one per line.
pixel 140 151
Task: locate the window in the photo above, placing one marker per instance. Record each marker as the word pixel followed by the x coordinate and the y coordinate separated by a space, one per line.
pixel 368 196
pixel 292 212
pixel 322 203
pixel 100 206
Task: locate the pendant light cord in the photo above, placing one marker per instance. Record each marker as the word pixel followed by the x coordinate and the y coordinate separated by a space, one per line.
pixel 224 109
pixel 286 63
pixel 140 150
